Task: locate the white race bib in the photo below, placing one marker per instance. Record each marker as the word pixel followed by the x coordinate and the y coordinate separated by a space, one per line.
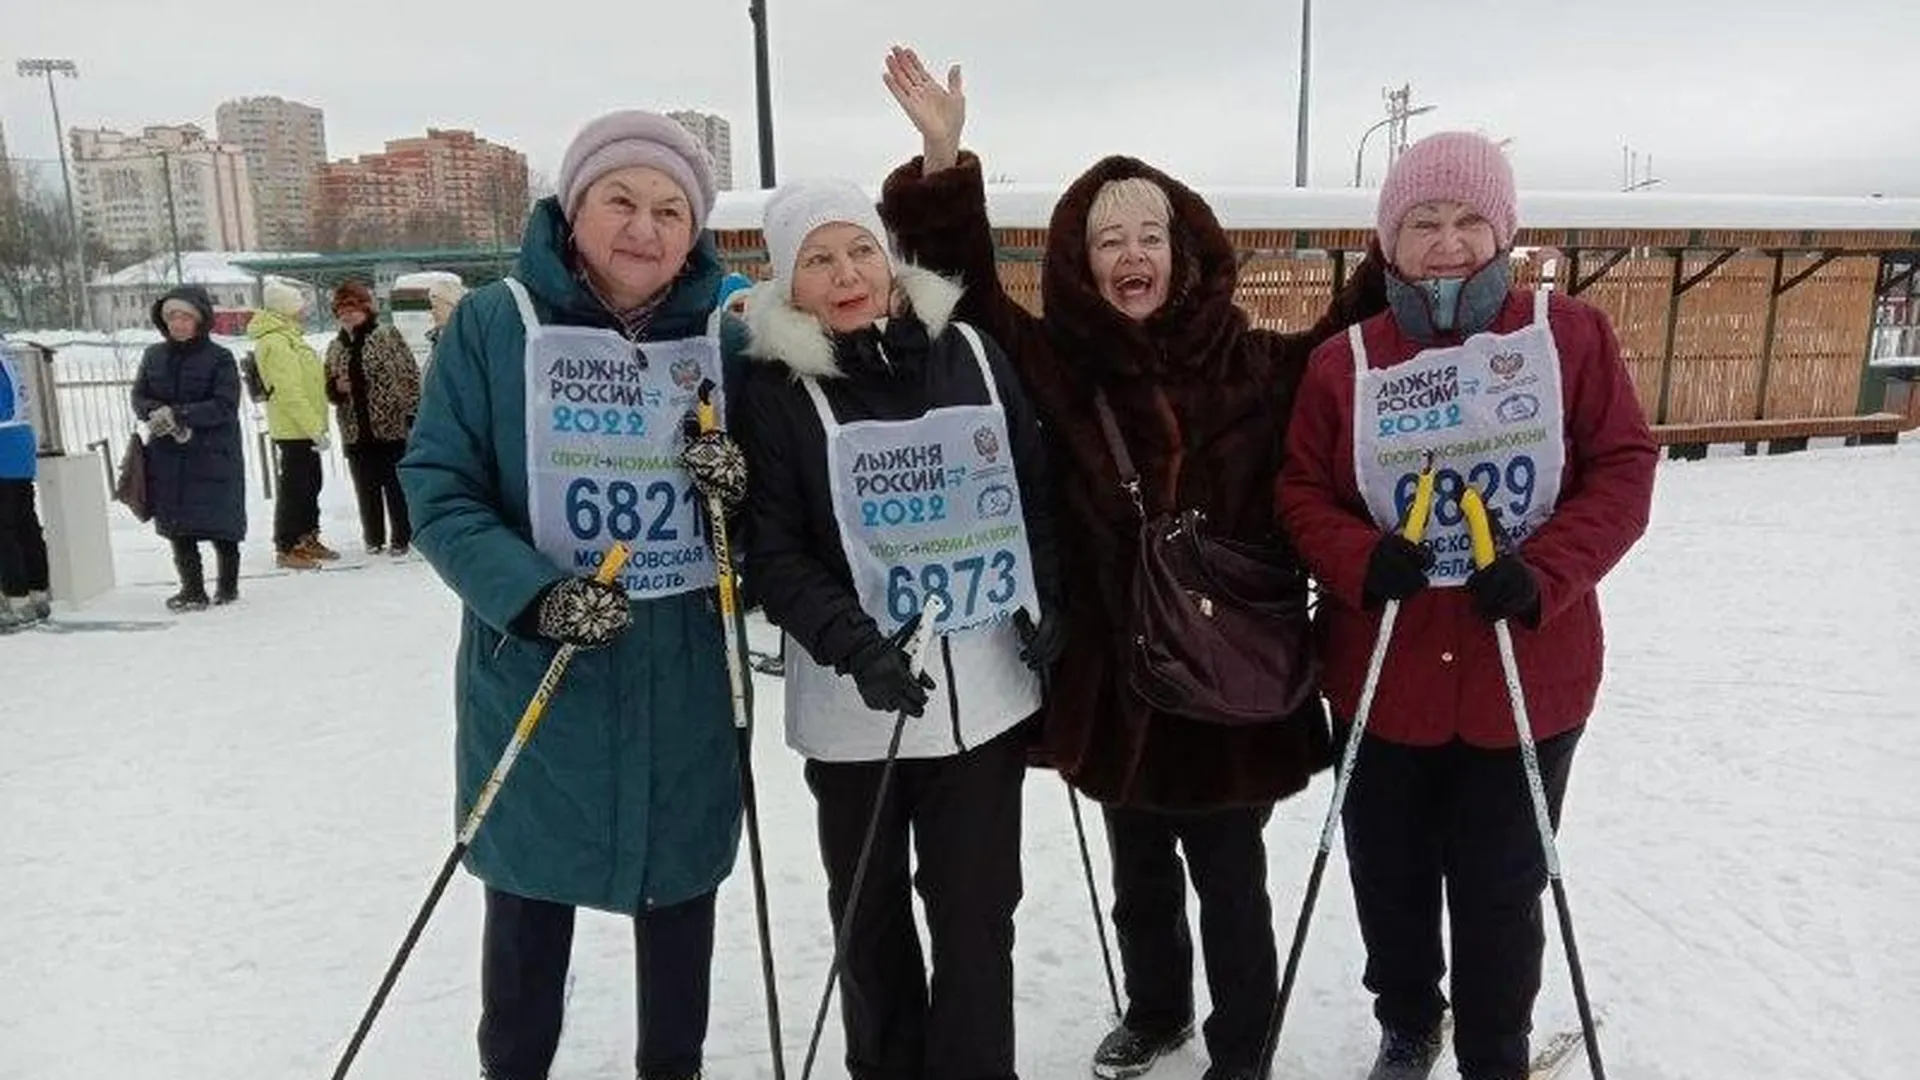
pixel 605 427
pixel 1490 410
pixel 932 505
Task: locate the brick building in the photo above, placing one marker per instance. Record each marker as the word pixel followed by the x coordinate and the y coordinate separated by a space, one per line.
pixel 447 189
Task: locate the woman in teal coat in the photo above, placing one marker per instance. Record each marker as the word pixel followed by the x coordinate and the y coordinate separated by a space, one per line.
pixel 551 428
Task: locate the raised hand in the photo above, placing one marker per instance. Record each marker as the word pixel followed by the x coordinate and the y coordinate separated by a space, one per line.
pixel 938 112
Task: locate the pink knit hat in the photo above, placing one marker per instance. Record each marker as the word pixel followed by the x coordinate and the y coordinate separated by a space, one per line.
pixel 636 137
pixel 1453 166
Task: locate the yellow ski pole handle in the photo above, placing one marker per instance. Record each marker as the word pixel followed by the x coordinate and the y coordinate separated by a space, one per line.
pixel 1415 528
pixel 610 568
pixel 708 417
pixel 1479 528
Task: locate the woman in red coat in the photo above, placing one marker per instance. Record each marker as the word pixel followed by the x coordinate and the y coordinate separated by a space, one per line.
pixel 1139 287
pixel 1523 395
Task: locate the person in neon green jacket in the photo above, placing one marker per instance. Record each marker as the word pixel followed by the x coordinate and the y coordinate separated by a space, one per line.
pixel 296 382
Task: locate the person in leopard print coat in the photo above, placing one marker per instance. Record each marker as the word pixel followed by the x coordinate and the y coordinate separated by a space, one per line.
pixel 374 382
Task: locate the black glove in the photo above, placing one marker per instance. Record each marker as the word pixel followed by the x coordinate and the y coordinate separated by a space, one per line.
pixel 1041 646
pixel 1396 570
pixel 718 467
pixel 1506 588
pixel 581 612
pixel 886 680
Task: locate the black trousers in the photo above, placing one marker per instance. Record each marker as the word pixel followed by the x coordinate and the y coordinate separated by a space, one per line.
pixel 193 574
pixel 23 546
pixel 1459 818
pixel 1226 856
pixel 375 466
pixel 296 507
pixel 523 981
pixel 962 814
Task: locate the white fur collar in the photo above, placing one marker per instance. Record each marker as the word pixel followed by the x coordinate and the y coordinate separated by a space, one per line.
pixel 783 335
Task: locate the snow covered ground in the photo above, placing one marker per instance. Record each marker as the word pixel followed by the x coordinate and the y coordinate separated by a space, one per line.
pixel 213 835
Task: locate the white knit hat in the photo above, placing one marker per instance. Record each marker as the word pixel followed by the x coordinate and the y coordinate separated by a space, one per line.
pixel 800 207
pixel 282 297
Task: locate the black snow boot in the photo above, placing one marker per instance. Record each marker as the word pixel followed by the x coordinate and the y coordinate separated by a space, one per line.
pixel 183 601
pixel 1126 1053
pixel 227 559
pixel 1405 1055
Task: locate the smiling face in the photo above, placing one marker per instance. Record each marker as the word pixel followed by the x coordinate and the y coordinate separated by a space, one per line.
pixel 1129 246
pixel 633 231
pixel 1443 240
pixel 842 277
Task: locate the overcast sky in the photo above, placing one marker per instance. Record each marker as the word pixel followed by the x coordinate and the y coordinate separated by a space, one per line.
pixel 1773 96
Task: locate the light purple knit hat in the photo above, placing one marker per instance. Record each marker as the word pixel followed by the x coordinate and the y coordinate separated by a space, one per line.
pixel 631 137
pixel 1453 166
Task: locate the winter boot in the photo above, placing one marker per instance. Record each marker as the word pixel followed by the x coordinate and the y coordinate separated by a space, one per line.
pixel 312 548
pixel 227 590
pixel 296 560
pixel 14 614
pixel 1125 1052
pixel 42 605
pixel 1405 1055
pixel 183 601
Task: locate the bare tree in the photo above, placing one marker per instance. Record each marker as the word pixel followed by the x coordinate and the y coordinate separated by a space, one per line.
pixel 36 276
pixel 539 186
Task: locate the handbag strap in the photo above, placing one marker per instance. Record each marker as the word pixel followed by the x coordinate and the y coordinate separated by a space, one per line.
pixel 1117 446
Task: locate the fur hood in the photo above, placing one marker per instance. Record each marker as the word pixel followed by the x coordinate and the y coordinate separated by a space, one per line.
pixel 781 334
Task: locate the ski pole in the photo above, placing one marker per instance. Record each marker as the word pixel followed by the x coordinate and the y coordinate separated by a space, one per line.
pixel 1415 530
pixel 529 721
pixel 1482 532
pixel 732 627
pixel 918 634
pixel 1027 629
pixel 1093 894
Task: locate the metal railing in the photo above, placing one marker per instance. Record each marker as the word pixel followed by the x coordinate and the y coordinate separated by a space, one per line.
pixel 95 390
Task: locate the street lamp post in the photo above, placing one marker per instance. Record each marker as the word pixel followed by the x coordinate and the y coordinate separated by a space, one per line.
pixel 1360 155
pixel 47 69
pixel 1306 72
pixel 763 89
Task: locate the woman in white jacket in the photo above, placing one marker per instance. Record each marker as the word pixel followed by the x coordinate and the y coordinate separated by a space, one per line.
pixel 894 456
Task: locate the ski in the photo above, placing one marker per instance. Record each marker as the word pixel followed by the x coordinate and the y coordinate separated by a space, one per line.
pixel 1550 1062
pixel 275 572
pixel 1560 1050
pixel 117 626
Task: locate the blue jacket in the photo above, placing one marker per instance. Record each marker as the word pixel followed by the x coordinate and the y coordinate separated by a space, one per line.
pixel 628 795
pixel 19 448
pixel 196 489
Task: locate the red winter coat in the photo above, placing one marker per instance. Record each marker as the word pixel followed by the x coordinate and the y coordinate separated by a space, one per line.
pixel 1443 676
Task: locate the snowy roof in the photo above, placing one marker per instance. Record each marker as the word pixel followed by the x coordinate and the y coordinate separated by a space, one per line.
pixel 425 279
pixel 1030 206
pixel 197 267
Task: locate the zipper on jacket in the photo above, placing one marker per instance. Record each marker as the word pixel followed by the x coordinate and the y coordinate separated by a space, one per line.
pixel 953 693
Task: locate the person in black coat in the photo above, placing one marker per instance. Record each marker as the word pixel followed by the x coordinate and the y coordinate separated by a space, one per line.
pixel 893 456
pixel 188 393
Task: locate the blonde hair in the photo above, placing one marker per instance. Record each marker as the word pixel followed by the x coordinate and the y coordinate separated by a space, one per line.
pixel 1133 198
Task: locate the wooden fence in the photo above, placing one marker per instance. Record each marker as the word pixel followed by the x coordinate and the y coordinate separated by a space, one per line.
pixel 1716 327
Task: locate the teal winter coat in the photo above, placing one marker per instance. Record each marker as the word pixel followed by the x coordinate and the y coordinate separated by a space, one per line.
pixel 628 795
